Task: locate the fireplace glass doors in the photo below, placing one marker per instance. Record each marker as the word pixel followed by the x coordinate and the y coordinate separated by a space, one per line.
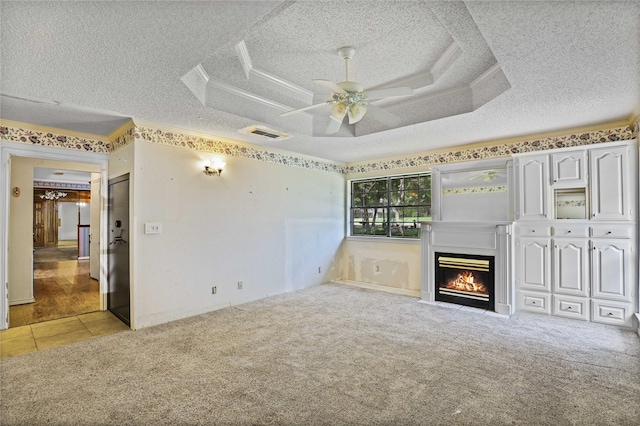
pixel 465 279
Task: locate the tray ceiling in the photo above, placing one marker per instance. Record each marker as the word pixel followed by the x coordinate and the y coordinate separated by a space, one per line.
pixel 480 70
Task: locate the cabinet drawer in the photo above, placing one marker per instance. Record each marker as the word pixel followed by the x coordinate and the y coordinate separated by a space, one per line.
pixel 533 230
pixel 571 307
pixel 535 302
pixel 611 231
pixel 611 312
pixel 570 231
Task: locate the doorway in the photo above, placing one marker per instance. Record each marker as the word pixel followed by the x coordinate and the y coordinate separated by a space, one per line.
pixel 57 280
pixel 118 296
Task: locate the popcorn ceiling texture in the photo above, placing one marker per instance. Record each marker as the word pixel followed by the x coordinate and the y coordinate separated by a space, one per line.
pixel 215 146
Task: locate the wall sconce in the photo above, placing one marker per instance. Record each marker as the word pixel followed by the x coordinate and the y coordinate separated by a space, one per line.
pixel 214 169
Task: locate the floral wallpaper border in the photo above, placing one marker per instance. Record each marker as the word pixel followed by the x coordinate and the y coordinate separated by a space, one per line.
pixel 34 137
pixel 125 137
pixel 474 190
pixel 226 148
pixel 571 203
pixel 61 185
pixel 128 135
pixel 502 150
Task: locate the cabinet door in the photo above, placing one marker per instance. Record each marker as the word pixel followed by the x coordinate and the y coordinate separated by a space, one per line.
pixel 533 184
pixel 568 169
pixel 533 263
pixel 610 184
pixel 570 266
pixel 610 268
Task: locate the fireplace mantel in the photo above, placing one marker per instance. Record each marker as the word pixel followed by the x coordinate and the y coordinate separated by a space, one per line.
pixel 479 238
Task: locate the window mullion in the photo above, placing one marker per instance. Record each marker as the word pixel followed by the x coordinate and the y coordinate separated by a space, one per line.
pixel 388 208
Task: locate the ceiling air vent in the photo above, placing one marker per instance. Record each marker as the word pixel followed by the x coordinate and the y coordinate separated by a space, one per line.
pixel 265 132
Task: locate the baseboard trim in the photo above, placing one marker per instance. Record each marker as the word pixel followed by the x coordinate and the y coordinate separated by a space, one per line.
pixel 22 301
pixel 379 287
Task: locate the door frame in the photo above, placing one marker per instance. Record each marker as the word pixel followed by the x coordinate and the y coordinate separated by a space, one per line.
pixel 11 149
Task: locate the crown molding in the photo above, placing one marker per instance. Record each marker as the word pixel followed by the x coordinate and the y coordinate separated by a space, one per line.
pixel 248 95
pixel 446 60
pixel 268 79
pixel 492 71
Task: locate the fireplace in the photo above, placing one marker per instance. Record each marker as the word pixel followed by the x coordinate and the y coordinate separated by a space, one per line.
pixel 465 279
pixel 490 243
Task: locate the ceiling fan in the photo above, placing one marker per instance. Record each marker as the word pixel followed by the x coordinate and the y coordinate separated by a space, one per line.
pixel 350 99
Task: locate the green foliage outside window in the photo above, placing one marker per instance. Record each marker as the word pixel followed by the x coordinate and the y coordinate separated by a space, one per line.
pixel 390 207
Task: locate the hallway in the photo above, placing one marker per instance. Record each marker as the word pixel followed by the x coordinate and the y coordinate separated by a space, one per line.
pixel 62 288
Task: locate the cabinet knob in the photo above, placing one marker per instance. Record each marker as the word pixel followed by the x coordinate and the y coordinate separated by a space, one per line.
pixel 608 232
pixel 569 307
pixel 610 314
pixel 533 303
pixel 568 232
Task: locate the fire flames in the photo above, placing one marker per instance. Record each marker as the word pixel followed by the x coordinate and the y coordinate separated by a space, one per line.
pixel 465 281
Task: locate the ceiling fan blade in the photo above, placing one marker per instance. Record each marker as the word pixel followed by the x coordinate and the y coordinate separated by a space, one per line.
pixel 295 111
pixel 334 125
pixel 330 85
pixel 356 112
pixel 382 116
pixel 392 92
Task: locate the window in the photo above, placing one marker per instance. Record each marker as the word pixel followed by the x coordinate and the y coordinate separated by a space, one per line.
pixel 390 207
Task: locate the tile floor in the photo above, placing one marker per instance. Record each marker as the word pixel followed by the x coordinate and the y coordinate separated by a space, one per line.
pixel 62 288
pixel 45 335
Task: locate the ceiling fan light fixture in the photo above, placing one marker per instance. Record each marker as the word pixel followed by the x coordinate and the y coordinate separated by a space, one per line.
pixel 357 112
pixel 338 111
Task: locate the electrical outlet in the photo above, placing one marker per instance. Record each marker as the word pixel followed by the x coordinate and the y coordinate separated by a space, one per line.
pixel 319 269
pixel 377 268
pixel 240 285
pixel 214 290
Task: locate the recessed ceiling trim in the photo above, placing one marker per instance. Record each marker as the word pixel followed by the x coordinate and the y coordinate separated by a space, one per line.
pixel 267 79
pixel 428 98
pixel 416 81
pixel 247 95
pixel 446 60
pixel 485 76
pixel 251 96
pixel 245 59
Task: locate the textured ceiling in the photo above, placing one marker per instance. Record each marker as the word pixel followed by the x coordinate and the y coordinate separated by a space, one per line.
pixel 543 66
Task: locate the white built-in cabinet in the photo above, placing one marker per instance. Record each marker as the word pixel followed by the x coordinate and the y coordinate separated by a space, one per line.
pixel 577 268
pixel 568 168
pixel 610 183
pixel 533 174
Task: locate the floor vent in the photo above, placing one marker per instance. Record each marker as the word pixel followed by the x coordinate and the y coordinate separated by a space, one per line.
pixel 265 132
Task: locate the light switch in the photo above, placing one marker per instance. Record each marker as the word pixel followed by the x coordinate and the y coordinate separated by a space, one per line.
pixel 152 228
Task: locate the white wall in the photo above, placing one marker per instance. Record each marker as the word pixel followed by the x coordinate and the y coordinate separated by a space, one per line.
pixel 268 225
pixel 383 263
pixel 68 215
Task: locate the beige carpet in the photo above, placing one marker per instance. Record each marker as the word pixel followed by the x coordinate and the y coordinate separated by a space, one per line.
pixel 330 355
